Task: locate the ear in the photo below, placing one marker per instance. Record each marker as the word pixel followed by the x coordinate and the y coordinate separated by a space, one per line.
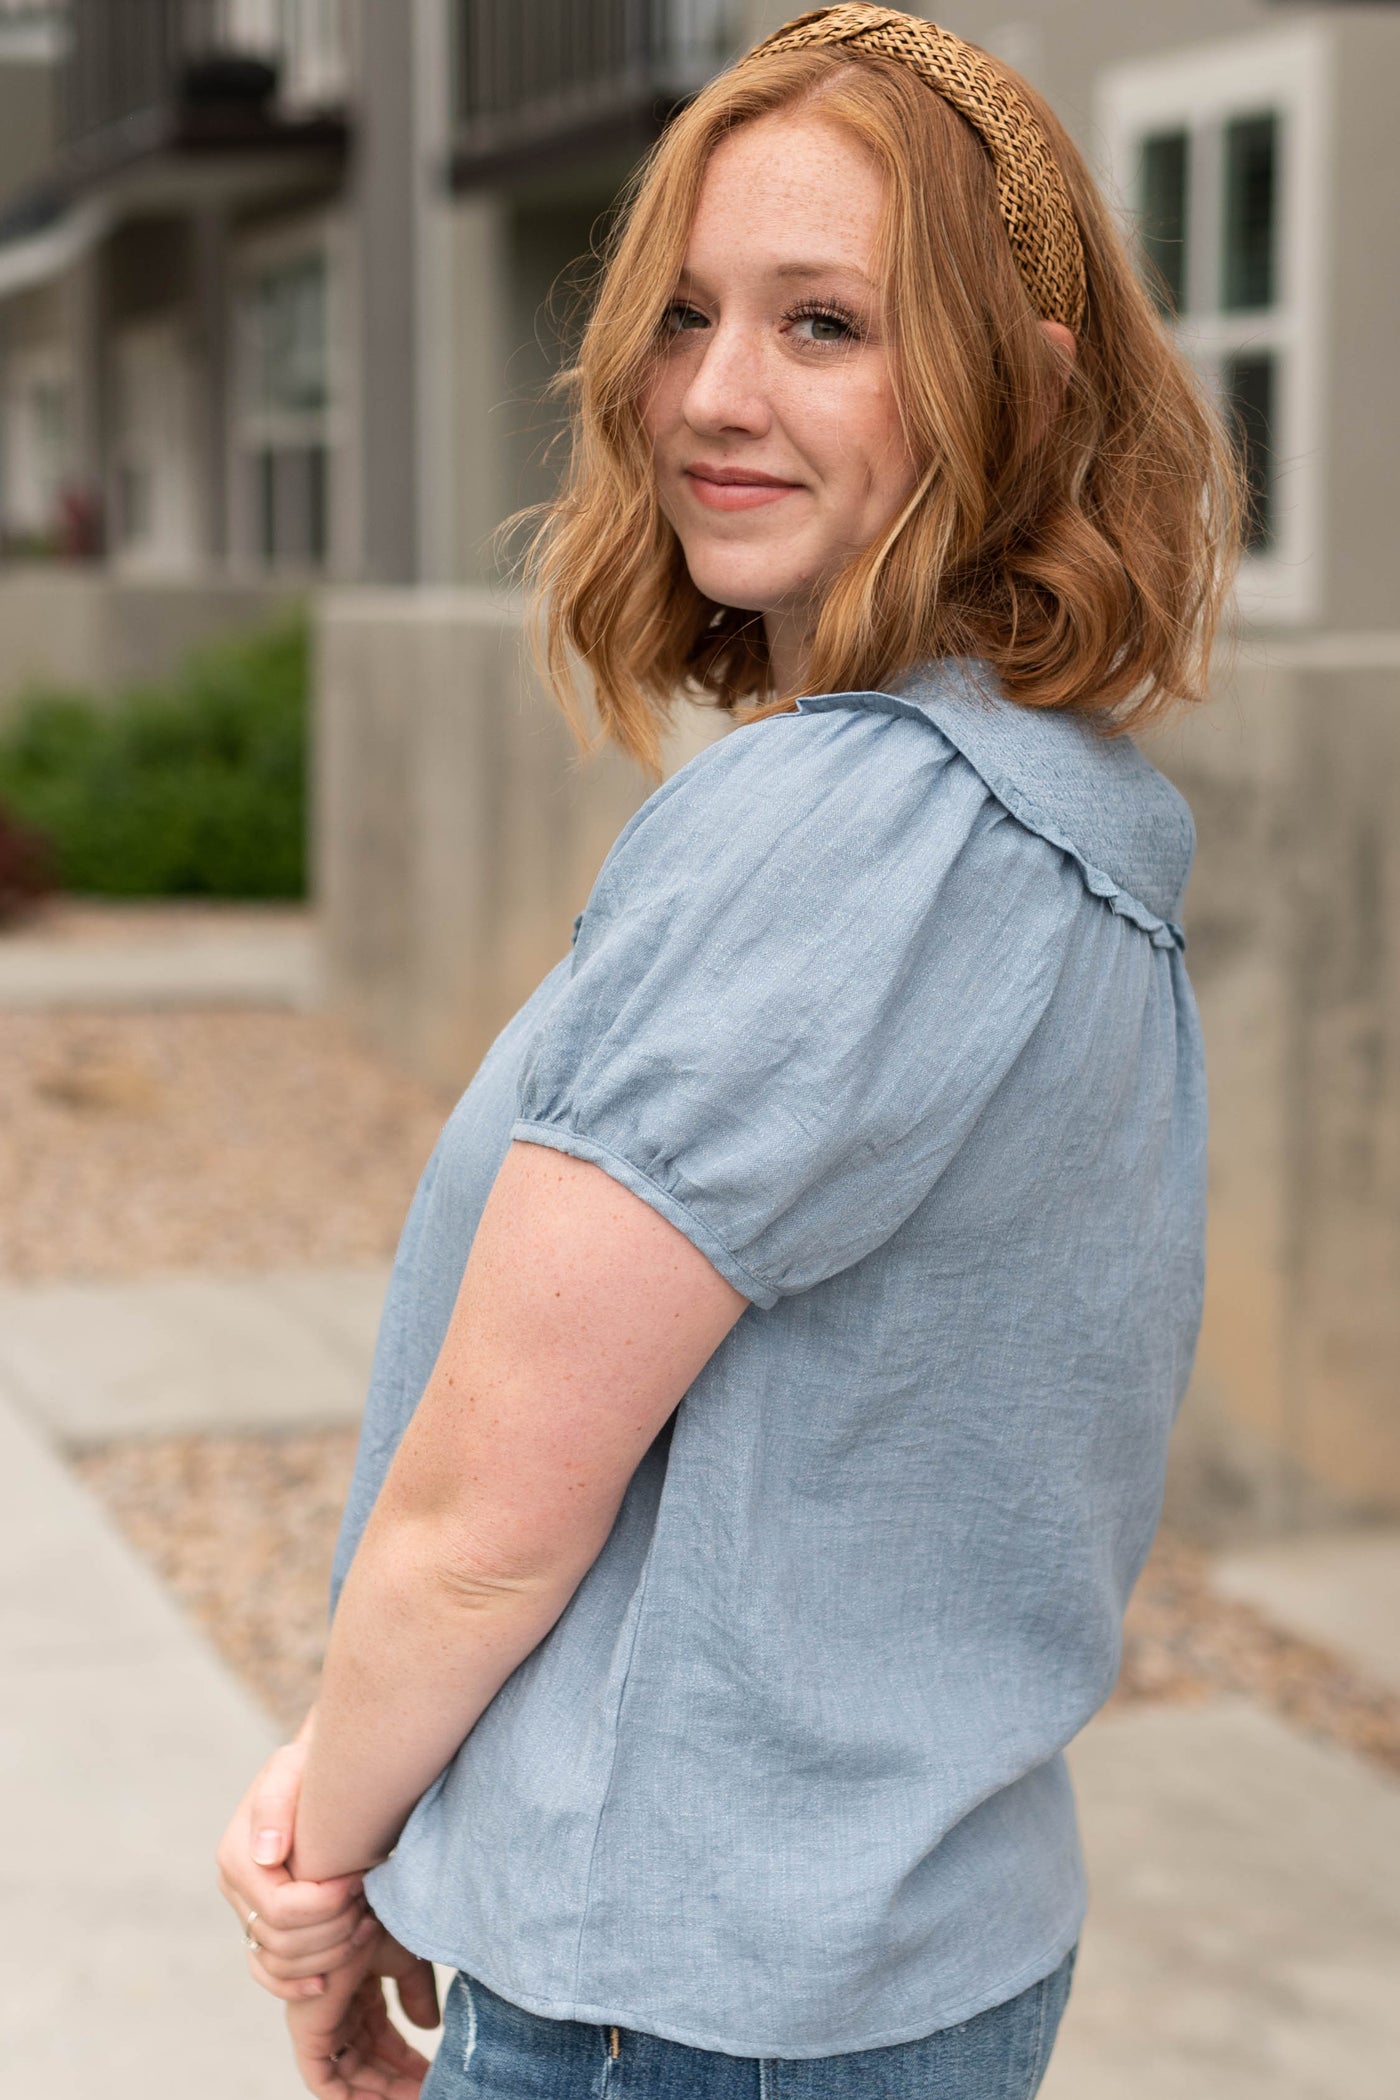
pixel 1063 342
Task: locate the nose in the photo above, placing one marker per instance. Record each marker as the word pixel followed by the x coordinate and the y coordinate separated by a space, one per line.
pixel 727 390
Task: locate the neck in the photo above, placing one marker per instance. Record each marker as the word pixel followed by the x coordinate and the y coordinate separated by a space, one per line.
pixel 789 638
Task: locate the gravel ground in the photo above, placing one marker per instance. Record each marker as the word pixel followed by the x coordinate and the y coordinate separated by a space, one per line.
pixel 132 1143
pixel 242 1529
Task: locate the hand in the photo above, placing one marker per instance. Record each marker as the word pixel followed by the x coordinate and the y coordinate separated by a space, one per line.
pixel 345 2043
pixel 305 1929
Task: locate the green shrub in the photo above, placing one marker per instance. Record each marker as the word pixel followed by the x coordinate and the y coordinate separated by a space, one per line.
pixel 196 789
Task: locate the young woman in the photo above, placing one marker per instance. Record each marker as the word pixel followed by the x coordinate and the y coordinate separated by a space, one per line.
pixel 769 1415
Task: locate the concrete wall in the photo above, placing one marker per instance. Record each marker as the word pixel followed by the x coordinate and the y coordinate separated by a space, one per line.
pixel 90 631
pixel 456 832
pixel 1293 922
pixel 29 91
pixel 457 835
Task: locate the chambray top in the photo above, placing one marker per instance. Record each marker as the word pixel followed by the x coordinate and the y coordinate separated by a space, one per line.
pixel 882 1003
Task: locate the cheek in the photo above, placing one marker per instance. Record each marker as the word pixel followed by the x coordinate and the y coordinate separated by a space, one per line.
pixel 854 433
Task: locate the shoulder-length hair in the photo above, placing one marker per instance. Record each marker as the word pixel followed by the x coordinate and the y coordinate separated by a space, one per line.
pixel 1085 554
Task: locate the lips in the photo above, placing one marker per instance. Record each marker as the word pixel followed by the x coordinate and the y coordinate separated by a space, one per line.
pixel 736 488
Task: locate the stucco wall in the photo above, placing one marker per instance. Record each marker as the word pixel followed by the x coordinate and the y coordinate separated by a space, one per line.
pixel 456 831
pixel 1293 922
pixel 91 631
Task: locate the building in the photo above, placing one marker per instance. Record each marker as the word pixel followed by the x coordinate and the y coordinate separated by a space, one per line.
pixel 281 289
pixel 260 258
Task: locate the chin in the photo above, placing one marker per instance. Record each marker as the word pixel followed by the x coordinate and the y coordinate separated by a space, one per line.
pixel 735 583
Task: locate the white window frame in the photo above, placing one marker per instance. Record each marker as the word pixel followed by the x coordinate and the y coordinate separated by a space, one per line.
pixel 1288 73
pixel 317 236
pixel 154 436
pixel 36 471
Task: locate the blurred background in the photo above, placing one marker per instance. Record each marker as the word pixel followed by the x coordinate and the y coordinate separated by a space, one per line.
pixel 287 831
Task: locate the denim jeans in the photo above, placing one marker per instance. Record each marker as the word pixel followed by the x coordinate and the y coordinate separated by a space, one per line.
pixel 492 2050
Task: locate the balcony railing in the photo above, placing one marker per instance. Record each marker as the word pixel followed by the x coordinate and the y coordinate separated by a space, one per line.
pixel 34 28
pixel 536 75
pixel 134 63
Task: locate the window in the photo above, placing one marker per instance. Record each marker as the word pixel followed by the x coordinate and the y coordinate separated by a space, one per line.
pixel 1216 156
pixel 285 458
pixel 37 443
pixel 153 449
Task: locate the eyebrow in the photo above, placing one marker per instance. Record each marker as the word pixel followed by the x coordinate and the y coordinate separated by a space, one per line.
pixel 800 270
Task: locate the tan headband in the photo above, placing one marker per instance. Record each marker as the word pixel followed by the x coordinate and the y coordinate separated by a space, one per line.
pixel 1031 191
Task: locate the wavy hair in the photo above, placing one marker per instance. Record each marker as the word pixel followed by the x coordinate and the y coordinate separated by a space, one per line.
pixel 1086 554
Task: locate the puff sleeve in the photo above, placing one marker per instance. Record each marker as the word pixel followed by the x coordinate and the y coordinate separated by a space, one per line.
pixel 805 968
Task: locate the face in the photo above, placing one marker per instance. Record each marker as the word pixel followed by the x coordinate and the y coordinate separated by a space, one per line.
pixel 772 414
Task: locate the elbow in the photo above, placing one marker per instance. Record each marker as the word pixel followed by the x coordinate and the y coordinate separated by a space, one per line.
pixel 471 1573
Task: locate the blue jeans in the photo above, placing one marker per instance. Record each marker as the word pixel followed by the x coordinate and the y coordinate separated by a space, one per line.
pixel 491 2050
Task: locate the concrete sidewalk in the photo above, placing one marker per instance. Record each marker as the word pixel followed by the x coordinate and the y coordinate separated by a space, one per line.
pixel 1243 1940
pixel 168 954
pixel 1245 1930
pixel 124 1745
pixel 191 1354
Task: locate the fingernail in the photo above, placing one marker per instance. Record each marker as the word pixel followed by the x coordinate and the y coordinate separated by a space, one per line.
pixel 314 1987
pixel 267 1847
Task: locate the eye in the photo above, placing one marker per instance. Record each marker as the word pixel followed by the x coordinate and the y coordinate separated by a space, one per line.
pixel 679 317
pixel 817 323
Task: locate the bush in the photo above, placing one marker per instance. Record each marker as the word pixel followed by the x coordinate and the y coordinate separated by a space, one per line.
pixel 198 789
pixel 24 868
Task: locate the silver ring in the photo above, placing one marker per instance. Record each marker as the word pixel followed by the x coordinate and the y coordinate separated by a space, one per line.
pixel 253 1946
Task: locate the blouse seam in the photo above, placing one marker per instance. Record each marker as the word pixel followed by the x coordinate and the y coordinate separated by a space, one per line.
pixel 1161 931
pixel 612 1767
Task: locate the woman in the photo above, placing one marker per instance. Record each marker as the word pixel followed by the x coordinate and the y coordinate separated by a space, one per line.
pixel 769 1415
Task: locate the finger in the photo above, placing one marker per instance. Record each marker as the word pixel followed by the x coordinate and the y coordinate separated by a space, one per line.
pixel 400 2056
pixel 372 2075
pixel 354 1927
pixel 374 2059
pixel 283 1905
pixel 288 1968
pixel 272 1809
pixel 392 2056
pixel 291 1991
pixel 418 1995
pixel 322 2077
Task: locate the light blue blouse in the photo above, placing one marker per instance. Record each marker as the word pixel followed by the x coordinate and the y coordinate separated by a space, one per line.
pixel 881 1003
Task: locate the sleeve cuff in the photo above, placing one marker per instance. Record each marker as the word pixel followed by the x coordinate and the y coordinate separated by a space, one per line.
pixel 559 1138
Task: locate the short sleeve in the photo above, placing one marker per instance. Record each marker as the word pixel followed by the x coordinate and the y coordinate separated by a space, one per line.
pixel 806 967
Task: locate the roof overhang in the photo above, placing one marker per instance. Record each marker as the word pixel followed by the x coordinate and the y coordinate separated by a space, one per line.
pixel 150 171
pixel 38 258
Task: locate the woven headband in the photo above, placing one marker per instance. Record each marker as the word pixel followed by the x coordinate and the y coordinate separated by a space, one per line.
pixel 1031 191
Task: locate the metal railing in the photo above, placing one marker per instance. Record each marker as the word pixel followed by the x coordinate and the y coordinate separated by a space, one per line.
pixel 132 60
pixel 33 28
pixel 530 71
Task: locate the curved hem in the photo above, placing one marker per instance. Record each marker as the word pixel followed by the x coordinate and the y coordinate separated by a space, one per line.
pixel 604 2014
pixel 560 1138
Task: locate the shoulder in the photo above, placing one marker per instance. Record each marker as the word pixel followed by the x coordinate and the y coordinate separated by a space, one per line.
pixel 835 793
pixel 846 847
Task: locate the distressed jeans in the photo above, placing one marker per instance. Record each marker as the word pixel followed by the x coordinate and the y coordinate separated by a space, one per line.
pixel 492 2050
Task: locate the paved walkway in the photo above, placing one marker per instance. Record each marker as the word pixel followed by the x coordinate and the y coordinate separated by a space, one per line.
pixel 124 1745
pixel 1245 1931
pixel 1243 1940
pixel 1342 1590
pixel 111 955
pixel 218 1355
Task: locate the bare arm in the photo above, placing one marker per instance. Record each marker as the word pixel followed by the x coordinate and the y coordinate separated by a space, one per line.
pixel 582 1318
